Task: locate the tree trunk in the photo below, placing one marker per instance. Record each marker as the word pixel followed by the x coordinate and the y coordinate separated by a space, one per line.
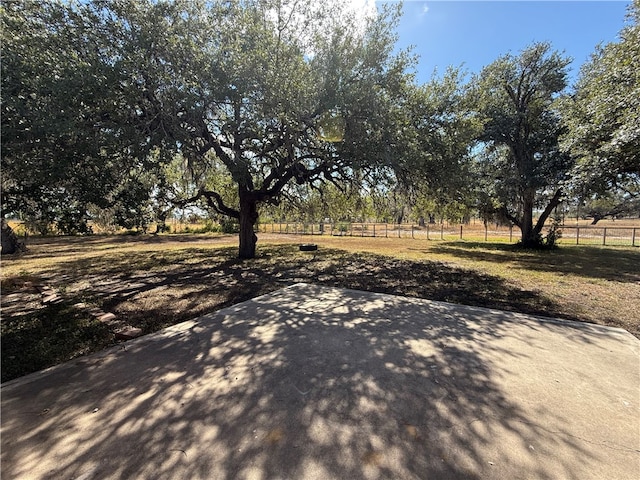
pixel 161 225
pixel 529 236
pixel 553 203
pixel 532 235
pixel 248 218
pixel 9 242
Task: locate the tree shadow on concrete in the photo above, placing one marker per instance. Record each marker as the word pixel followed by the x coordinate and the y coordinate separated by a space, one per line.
pixel 310 382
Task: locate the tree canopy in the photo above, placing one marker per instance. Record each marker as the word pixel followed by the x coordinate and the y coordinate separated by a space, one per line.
pixel 273 91
pixel 128 109
pixel 602 119
pixel 68 140
pixel 603 115
pixel 519 151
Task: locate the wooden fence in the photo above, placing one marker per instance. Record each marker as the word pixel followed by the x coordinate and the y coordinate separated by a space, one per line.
pixel 478 233
pixel 601 235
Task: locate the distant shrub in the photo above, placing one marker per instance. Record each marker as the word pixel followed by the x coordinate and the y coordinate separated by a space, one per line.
pixel 20 230
pixel 229 225
pixel 209 226
pixel 554 234
pixel 163 228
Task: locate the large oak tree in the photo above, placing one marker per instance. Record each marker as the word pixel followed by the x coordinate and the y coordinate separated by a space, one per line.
pixel 518 148
pixel 273 91
pixel 268 92
pixel 68 139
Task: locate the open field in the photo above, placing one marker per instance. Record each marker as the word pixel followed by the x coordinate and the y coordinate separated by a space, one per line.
pixel 606 233
pixel 150 282
pixel 619 232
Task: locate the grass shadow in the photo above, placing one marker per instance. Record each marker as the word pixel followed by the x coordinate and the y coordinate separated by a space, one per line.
pixel 616 264
pixel 49 336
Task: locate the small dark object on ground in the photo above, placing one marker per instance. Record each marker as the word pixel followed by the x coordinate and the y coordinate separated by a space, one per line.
pixel 308 247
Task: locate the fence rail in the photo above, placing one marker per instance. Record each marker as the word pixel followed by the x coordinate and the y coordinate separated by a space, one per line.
pixel 570 234
pixel 601 235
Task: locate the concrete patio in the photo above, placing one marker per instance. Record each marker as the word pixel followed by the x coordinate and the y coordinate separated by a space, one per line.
pixel 314 382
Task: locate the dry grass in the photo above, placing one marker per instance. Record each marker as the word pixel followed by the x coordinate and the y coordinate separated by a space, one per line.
pixel 151 282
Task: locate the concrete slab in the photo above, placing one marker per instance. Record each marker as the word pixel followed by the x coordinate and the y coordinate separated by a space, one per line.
pixel 316 383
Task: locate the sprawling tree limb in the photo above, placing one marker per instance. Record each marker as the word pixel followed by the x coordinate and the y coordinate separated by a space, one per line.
pixel 215 201
pixel 509 216
pixel 553 203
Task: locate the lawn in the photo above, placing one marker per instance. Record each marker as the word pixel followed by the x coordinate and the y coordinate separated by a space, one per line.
pixel 150 282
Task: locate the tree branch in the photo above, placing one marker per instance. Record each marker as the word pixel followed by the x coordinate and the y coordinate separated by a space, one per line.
pixel 553 203
pixel 215 201
pixel 512 218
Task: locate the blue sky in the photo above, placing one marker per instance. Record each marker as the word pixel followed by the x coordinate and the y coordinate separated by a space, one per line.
pixel 475 33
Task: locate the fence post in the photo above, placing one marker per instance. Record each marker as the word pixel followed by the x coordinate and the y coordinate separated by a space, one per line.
pixel 386 230
pixel 633 238
pixel 460 232
pixel 577 235
pixel 604 236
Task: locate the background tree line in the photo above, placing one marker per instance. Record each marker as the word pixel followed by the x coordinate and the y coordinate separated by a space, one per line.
pixel 129 109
